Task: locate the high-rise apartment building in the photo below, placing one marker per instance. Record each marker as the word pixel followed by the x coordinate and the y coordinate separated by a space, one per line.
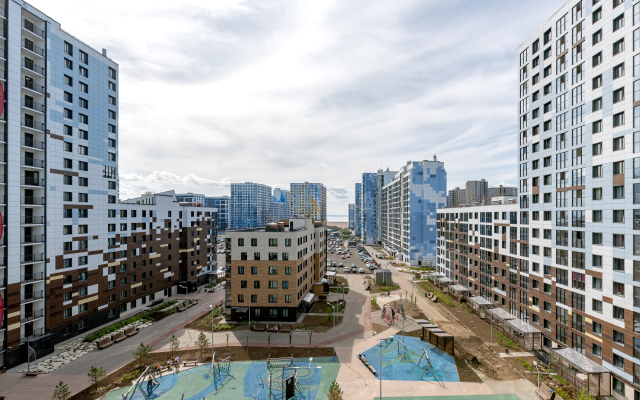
pixel 371 209
pixel 309 200
pixel 409 204
pixel 476 192
pixel 352 213
pixel 221 203
pixel 249 205
pixel 456 197
pixel 280 206
pixel 566 260
pixel 67 261
pixel 499 191
pixel 271 271
pixel 357 223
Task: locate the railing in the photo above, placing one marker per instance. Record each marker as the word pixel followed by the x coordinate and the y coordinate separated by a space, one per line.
pixel 560 241
pixel 30 65
pixel 28 316
pixel 32 238
pixel 34 48
pixel 2 263
pixel 33 257
pixel 36 87
pixel 30 181
pixel 2 14
pixel 578 243
pixel 1 282
pixel 28 25
pixel 36 144
pixel 37 295
pixel 38 219
pixel 29 123
pixel 34 105
pixel 36 276
pixel 31 162
pixel 33 334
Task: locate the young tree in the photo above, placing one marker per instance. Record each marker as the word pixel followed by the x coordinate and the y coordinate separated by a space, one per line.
pixel 335 392
pixel 290 337
pixel 142 352
pixel 61 392
pixel 96 375
pixel 202 342
pixel 269 340
pixel 227 343
pixel 174 343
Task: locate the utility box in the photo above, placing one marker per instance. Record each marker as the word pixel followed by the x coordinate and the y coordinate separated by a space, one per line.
pixel 383 276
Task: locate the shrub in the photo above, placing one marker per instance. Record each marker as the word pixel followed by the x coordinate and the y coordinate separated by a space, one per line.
pixel 96 375
pixel 142 351
pixel 335 392
pixel 61 392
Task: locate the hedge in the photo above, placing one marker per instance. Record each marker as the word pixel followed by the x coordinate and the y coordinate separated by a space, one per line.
pixel 119 325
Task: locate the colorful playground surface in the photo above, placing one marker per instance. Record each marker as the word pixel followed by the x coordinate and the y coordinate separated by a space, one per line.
pixel 465 397
pixel 408 362
pixel 242 381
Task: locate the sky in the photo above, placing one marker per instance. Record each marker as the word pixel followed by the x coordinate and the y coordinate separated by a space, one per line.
pixel 215 92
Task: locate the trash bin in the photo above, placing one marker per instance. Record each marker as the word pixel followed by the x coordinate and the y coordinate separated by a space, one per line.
pixel 506 350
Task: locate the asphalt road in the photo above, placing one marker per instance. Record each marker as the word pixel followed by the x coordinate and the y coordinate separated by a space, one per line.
pixel 120 354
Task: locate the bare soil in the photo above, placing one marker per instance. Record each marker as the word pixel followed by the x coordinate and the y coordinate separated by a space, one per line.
pixel 207 327
pixel 237 353
pixel 321 307
pixel 318 322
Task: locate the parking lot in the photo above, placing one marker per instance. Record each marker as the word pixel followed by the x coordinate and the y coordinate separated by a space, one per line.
pixel 347 262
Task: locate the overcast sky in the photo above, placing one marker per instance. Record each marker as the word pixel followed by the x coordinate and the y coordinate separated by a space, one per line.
pixel 213 92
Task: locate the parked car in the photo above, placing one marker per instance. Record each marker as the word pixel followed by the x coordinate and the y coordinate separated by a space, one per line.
pixel 354 269
pixel 361 270
pixel 343 257
pixel 334 264
pixel 353 265
pixel 340 265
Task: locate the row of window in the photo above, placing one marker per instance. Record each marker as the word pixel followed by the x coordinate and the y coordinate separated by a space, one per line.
pixel 273 242
pixel 273 298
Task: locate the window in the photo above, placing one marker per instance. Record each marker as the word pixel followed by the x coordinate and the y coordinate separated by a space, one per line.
pixel 83 102
pixel 618 119
pixel 596 15
pixel 84 150
pixel 597 82
pixel 617 384
pixel 597 37
pixel 597 127
pixel 84 57
pixel 83 71
pixel 596 60
pixel 112 73
pixel 112 114
pixel 83 165
pixel 67 114
pixel 82 134
pixel 618 96
pixel 68 80
pixel 68 48
pixel 618 71
pixel 597 103
pixel 618 22
pixel 112 86
pixel 597 149
pixel 273 298
pixel 112 100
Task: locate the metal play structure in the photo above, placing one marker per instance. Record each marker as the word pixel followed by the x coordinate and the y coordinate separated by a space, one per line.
pixel 392 312
pixel 284 381
pixel 138 385
pixel 279 362
pixel 427 365
pixel 220 366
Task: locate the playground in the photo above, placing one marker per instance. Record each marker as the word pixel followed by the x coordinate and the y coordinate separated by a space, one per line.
pixel 410 359
pixel 242 380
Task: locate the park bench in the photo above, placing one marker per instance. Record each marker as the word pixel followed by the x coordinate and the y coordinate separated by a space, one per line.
pixel 259 327
pixel 286 328
pixel 366 364
pixel 194 301
pixel 104 342
pixel 181 307
pixel 118 336
pixel 130 331
pixel 434 298
pixel 193 361
pixel 188 303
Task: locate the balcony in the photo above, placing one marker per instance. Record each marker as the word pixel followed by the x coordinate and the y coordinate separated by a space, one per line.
pixel 3 200
pixel 31 258
pixel 27 297
pixel 35 144
pixel 32 335
pixel 32 220
pixel 33 105
pixel 3 74
pixel 30 181
pixel 31 315
pixel 1 282
pixel 560 241
pixel 28 25
pixel 31 162
pixel 36 276
pixel 31 85
pixel 29 123
pixel 579 243
pixel 2 263
pixel 31 66
pixel 24 239
pixel 28 44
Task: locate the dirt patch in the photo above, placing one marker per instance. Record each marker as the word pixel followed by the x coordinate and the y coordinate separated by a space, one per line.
pixel 204 323
pixel 318 323
pixel 465 372
pixel 321 307
pixel 483 359
pixel 237 353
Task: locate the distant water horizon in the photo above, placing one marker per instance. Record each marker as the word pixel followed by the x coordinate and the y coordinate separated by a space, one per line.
pixel 337 218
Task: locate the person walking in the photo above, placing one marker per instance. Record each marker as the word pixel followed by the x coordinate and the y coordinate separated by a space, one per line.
pixel 149 386
pixel 169 364
pixel 177 364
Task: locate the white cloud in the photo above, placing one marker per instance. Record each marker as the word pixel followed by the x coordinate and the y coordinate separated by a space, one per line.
pixel 278 91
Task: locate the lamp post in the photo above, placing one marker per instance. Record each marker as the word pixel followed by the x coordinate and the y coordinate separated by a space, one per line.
pixel 212 353
pixel 186 309
pixel 310 368
pixel 380 374
pixel 539 373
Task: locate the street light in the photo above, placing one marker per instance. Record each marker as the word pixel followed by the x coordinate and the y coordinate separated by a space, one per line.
pixel 212 353
pixel 310 368
pixel 539 373
pixel 186 309
pixel 380 368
